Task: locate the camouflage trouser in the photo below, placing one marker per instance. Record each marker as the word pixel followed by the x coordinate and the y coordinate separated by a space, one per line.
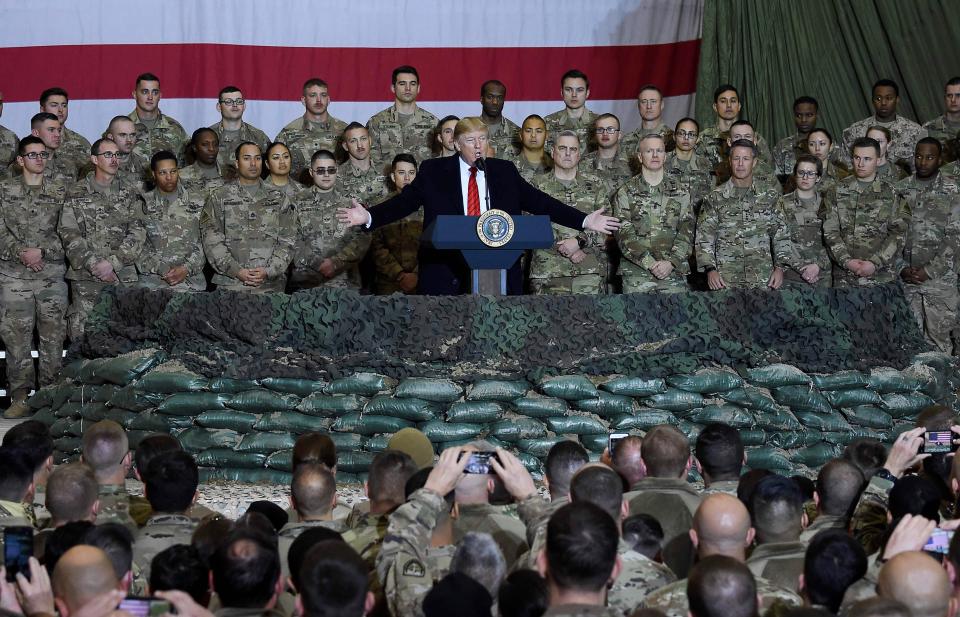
pixel 934 304
pixel 27 303
pixel 845 278
pixel 310 279
pixel 634 284
pixel 195 282
pixel 83 297
pixel 582 284
pixel 269 286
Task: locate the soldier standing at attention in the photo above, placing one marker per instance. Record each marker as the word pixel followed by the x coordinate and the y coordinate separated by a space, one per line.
pixel 904 133
pixel 404 126
pixel 248 230
pixel 610 161
pixel 155 130
pixel 800 210
pixel 532 160
pixel 575 89
pixel 656 237
pixel 74 146
pixel 443 142
pixel 58 168
pixel 785 153
pixel 315 130
pixel 133 168
pixel 885 169
pixel 102 233
pixel 503 134
pixel 650 105
pixel 691 169
pixel 945 128
pixel 205 172
pixel 277 170
pixel 32 266
pixel 713 144
pixel 359 176
pixel 864 222
pixel 820 145
pixel 394 247
pixel 232 130
pixel 8 144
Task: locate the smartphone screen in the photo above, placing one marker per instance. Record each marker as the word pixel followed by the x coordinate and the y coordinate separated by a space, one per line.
pixel 939 542
pixel 938 441
pixel 139 606
pixel 612 441
pixel 17 551
pixel 479 463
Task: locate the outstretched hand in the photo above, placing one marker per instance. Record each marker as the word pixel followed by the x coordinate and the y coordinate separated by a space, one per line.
pixel 597 221
pixel 354 215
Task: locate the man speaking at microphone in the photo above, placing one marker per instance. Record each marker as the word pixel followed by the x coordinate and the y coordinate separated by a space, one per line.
pixel 469 184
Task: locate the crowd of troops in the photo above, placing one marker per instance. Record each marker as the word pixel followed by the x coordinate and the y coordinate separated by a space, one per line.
pixel 701 208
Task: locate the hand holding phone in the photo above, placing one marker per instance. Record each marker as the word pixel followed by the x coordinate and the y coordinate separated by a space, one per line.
pixel 17 551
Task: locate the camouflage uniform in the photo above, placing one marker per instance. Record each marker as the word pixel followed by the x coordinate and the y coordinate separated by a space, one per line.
pixel 173 239
pixel 12 514
pixel 946 133
pixel 551 272
pixel 529 171
pixel 166 134
pixel 320 236
pixel 820 523
pixel 504 137
pixel 229 140
pixel 28 218
pixel 712 145
pixel 727 487
pixel 614 171
pixel 869 521
pixel 59 168
pixel 290 189
pixel 99 224
pixel 160 533
pixel 74 145
pixel 785 153
pixel 304 138
pixel 932 243
pixel 580 610
pixel 391 134
pixel 864 222
pixel 696 175
pixel 781 563
pixel 806 234
pixel 393 249
pixel 248 227
pixel 407 565
pixel 291 531
pixel 833 173
pixel 366 186
pixel 507 531
pixel 206 179
pixel 134 170
pixel 672 599
pixel 736 232
pixel 673 502
pixel 904 135
pixel 631 142
pixel 562 121
pixel 115 506
pixel 891 173
pixel 658 224
pixel 8 149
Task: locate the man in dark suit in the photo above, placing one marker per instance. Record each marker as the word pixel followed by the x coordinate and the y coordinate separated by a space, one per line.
pixel 458 185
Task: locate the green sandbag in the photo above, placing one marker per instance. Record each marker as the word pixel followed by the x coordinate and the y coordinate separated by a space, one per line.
pixel 413 409
pixel 868 416
pixel 281 460
pixel 531 462
pixel 497 390
pixel 192 403
pixel 777 376
pixel 71 371
pixel 94 412
pixel 706 381
pixel 347 441
pixel 331 406
pixel 135 437
pixel 227 457
pixel 170 378
pixel 77 427
pixel 262 400
pixel 569 387
pixel 69 410
pixel 731 415
pixel 846 437
pixel 104 393
pixel 540 447
pixel 439 431
pixel 773 459
pixel 635 386
pixel 125 418
pixel 898 429
pixel 156 422
pixel 689 429
pixel 378 443
pixel 841 380
pixel 87 371
pixel 888 381
pixel 437 390
pixel 227 385
pixel 351 478
pixel 643 420
pixel 292 422
pixel 753 437
pixel 266 443
pixel 238 421
pixel 540 406
pixel 852 397
pixel 133 398
pixel 84 393
pixel 675 400
pixel 788 440
pixel 823 421
pixel 815 456
pixel 936 384
pixel 271 477
pixel 70 444
pixel 123 369
pixel 196 439
pixel 608 405
pixel 355 462
pixel 595 443
pixel 906 405
pixel 802 398
pixel 576 425
pixel 475 411
pixel 44 415
pixel 362 384
pixel 41 398
pixel 289 385
pixel 515 429
pixel 369 425
pixel 778 419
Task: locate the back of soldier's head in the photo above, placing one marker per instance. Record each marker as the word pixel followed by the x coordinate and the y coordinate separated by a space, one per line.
pixel 838 486
pixel 71 492
pixel 867 454
pixel 919 581
pixel 117 542
pixel 245 570
pixel 313 489
pixel 300 548
pixel 599 485
pixel 388 476
pixel 626 459
pixel 333 581
pixel 81 574
pixel 665 452
pixel 16 474
pixel 777 509
pixel 721 586
pixel 170 482
pixel 914 495
pixel 209 534
pixel 563 460
pixel 720 451
pixel 524 593
pixel 180 567
pixel 61 540
pixel 31 438
pixel 581 547
pixel 314 448
pixel 150 447
pixel 104 446
pixel 643 533
pixel 832 563
pixel 879 607
pixel 479 557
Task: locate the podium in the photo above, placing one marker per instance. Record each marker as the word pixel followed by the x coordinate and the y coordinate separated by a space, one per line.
pixel 489 264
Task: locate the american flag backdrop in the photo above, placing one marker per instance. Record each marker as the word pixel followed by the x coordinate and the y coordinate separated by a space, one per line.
pixel 95 49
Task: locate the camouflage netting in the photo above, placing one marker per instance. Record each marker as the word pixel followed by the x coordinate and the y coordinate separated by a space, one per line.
pixel 237 377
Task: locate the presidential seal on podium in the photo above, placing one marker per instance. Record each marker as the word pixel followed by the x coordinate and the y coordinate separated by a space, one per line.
pixel 495 228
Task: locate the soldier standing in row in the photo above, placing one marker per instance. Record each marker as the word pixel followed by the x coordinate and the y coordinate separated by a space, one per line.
pixel 904 133
pixel 60 169
pixel 800 209
pixel 610 161
pixel 692 170
pixel 8 144
pixel 785 153
pixel 155 130
pixel 650 105
pixel 712 144
pixel 360 176
pixel 404 126
pixel 73 145
pixel 503 134
pixel 133 168
pixel 205 173
pixel 946 127
pixel 394 247
pixel 232 130
pixel 575 90
pixel 532 159
pixel 315 130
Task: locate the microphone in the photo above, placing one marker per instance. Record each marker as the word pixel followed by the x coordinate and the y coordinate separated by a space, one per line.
pixel 480 163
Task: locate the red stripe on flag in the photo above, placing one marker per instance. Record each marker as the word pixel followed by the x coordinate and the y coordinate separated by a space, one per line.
pixel 354 74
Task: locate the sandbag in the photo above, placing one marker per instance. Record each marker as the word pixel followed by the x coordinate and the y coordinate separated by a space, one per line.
pixel 41 398
pixel 267 443
pixel 362 384
pixel 802 398
pixel 94 411
pixel 369 425
pixel 440 446
pixel 675 400
pixel 539 447
pixel 777 419
pixel 288 385
pixel 753 437
pixel 262 400
pixel 868 416
pixel 596 442
pixel 227 457
pixel 192 403
pixel 270 477
pixel 156 422
pixel 608 405
pixel 195 439
pixel 438 431
pixel 706 381
pixel 689 429
pixel 644 419
pixel 125 418
pixel 497 390
pixel 731 415
pixel 238 421
pixel 227 385
pixel 355 462
pixel 777 376
pixel 635 386
pixel 437 390
pixel 540 406
pixel 291 421
pixel 906 405
pixel 853 397
pixel 889 380
pixel 281 460
pixel 823 421
pixel 69 409
pixel 531 462
pixel 515 429
pixel 773 459
pixel 936 384
pixel 331 406
pixel 482 412
pixel 569 387
pixel 378 443
pixel 576 425
pixel 44 415
pixel 789 440
pixel 135 437
pixel 77 426
pixel 85 393
pixel 172 377
pixel 133 398
pixel 815 456
pixel 347 441
pixel 125 368
pixel 86 373
pixel 847 437
pixel 413 409
pixel 841 380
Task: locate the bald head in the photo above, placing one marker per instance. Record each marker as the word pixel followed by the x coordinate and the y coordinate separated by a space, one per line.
pixel 722 526
pixel 917 580
pixel 627 460
pixel 81 574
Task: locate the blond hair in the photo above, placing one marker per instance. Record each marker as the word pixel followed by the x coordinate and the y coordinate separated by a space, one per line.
pixel 470 124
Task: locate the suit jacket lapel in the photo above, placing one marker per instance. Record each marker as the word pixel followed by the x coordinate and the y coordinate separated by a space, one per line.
pixel 454 189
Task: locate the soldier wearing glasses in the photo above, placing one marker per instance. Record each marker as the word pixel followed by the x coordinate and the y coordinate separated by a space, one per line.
pixel 610 160
pixel 232 130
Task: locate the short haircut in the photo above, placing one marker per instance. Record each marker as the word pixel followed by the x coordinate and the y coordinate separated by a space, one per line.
pixel 353 126
pixel 243 144
pixel 534 117
pixel 150 447
pixel 744 143
pixel 644 534
pixel 171 481
pixel 645 87
pixel 226 89
pixel 405 68
pixel 403 157
pixel 720 451
pixel 575 74
pixel 524 593
pixel 323 153
pixel 105 443
pixel 388 475
pixel 94 151
pixel 953 81
pixel 492 82
pixel 867 453
pixel 563 460
pixel 71 492
pixel 748 484
pixel 665 452
pixel 300 548
pixel 839 484
pixel 882 129
pixel 29 140
pixel 146 77
pixel 820 129
pixel 607 116
pixel 676 127
pixel 469 124
pixel 865 142
pixel 776 508
pixel 333 581
pixel 116 541
pixel 16 474
pixel 809 158
pixel 55 91
pixel 599 485
pixel 116 119
pixel 180 567
pixel 806 100
pixel 885 83
pixel 581 547
pixel 914 495
pixel 314 81
pixel 39 118
pixel 245 570
pixel 832 563
pixel 209 534
pixel 478 556
pixel 162 155
pixel 312 489
pixel 61 540
pixel 721 586
pixel 315 447
pixel 197 134
pixel 724 88
pixel 743 123
pixel 444 120
pixel 31 438
pixel 929 141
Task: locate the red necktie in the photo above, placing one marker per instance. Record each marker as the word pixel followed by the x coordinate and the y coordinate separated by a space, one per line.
pixel 473 194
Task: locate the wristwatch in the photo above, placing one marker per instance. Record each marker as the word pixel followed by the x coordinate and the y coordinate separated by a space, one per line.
pixel 885 474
